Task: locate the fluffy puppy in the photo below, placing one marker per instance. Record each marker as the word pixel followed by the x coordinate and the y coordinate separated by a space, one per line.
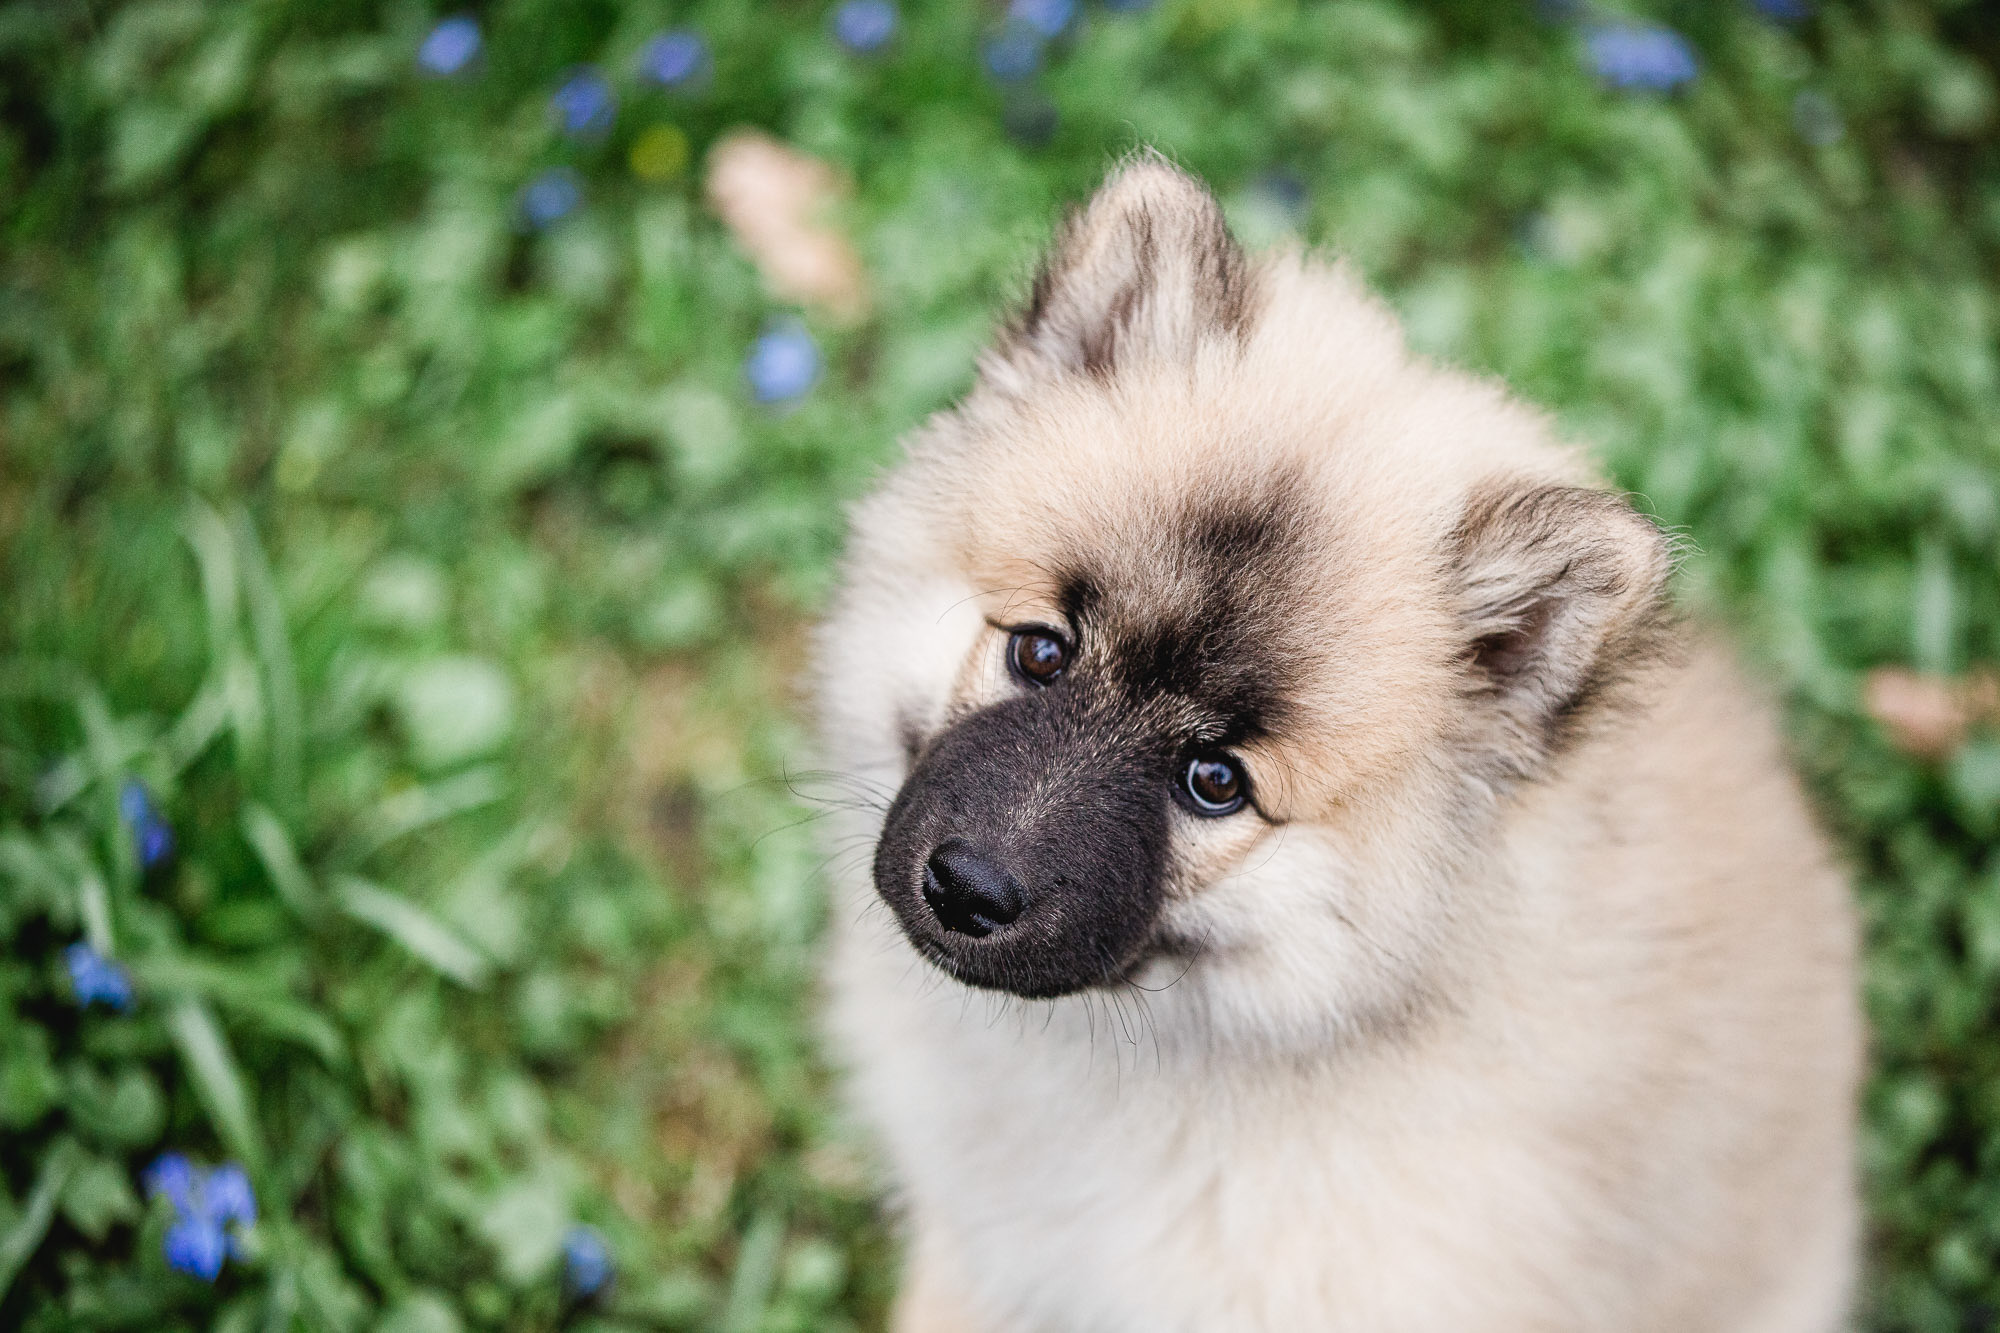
pixel 1316 883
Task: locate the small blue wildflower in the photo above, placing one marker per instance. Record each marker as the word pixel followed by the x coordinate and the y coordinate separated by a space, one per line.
pixel 1013 54
pixel 134 803
pixel 196 1245
pixel 783 363
pixel 1632 55
pixel 675 59
pixel 96 979
pixel 152 836
pixel 586 1261
pixel 584 105
pixel 156 844
pixel 173 1176
pixel 1047 17
pixel 450 46
pixel 227 1194
pixel 205 1203
pixel 865 26
pixel 1784 11
pixel 550 197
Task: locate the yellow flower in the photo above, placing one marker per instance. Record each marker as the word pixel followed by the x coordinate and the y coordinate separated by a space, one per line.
pixel 659 154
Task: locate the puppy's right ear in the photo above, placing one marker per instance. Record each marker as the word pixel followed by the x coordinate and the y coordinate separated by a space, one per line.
pixel 1146 270
pixel 1563 594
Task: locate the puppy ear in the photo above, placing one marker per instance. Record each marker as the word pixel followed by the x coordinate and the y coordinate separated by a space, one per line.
pixel 1146 270
pixel 1563 594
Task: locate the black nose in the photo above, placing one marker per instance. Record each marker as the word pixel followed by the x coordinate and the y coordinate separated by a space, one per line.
pixel 969 891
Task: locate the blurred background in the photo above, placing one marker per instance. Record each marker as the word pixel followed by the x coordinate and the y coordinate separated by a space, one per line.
pixel 423 437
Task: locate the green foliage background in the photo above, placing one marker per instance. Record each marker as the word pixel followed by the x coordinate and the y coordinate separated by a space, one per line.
pixel 444 583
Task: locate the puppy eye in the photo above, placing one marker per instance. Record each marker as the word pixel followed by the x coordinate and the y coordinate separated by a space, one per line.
pixel 1037 655
pixel 1214 785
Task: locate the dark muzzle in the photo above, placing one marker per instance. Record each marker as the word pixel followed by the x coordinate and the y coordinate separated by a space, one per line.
pixel 1025 852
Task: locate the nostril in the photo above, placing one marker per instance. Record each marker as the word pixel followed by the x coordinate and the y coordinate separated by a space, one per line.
pixel 970 892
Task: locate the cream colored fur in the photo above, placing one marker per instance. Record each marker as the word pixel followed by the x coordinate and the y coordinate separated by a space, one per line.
pixel 1478 1037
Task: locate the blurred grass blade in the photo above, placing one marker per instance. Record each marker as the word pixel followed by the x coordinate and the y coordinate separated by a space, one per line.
pixel 260 1004
pixel 63 783
pixel 756 1267
pixel 32 1225
pixel 94 905
pixel 292 1022
pixel 1934 611
pixel 419 807
pixel 198 725
pixel 281 1305
pixel 214 555
pixel 274 654
pixel 273 845
pixel 232 666
pixel 66 854
pixel 415 929
pixel 108 749
pixel 36 877
pixel 217 1080
pixel 249 716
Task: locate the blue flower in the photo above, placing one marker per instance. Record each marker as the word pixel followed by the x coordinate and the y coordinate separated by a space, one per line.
pixel 156 844
pixel 196 1245
pixel 1014 54
pixel 550 197
pixel 95 978
pixel 227 1194
pixel 1047 17
pixel 206 1203
pixel 152 836
pixel 1784 11
pixel 1631 55
pixel 675 59
pixel 173 1176
pixel 584 105
pixel 586 1261
pixel 133 802
pixel 783 363
pixel 450 46
pixel 865 26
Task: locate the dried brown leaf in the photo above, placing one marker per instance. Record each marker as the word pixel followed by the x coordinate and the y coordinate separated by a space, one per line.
pixel 778 203
pixel 1929 716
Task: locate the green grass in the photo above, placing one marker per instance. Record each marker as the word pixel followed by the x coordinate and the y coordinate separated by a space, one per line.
pixel 443 583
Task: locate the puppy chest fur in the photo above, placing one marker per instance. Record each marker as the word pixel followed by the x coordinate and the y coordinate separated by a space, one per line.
pixel 1317 883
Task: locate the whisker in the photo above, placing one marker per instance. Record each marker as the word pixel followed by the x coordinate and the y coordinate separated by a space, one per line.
pixel 1199 949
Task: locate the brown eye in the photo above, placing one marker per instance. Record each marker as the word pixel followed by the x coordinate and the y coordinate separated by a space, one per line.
pixel 1214 785
pixel 1038 656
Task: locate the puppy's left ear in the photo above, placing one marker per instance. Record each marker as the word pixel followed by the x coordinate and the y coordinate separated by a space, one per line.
pixel 1564 597
pixel 1146 270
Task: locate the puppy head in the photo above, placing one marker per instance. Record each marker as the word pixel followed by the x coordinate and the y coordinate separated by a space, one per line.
pixel 1212 625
